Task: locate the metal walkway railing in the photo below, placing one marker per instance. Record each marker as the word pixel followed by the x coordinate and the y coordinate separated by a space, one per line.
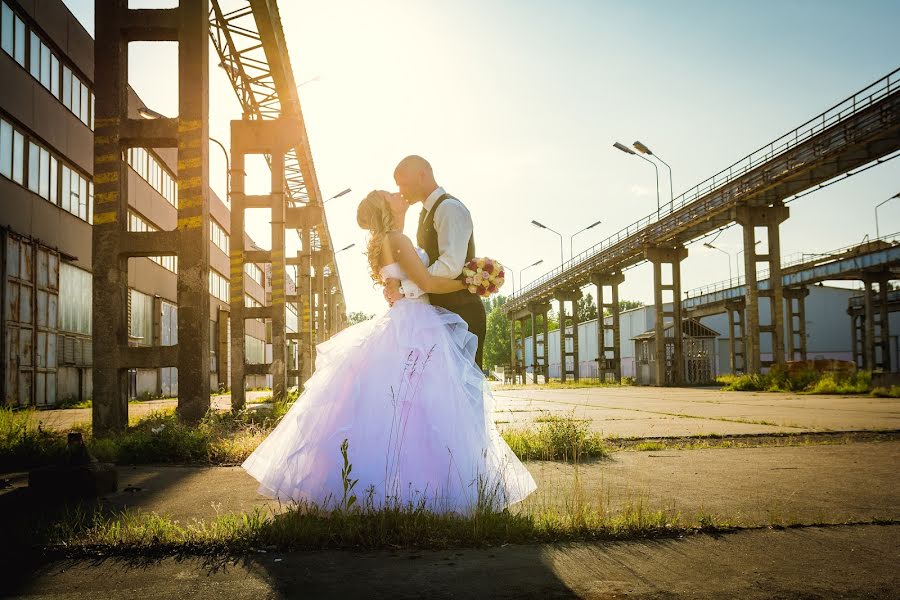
pixel 689 215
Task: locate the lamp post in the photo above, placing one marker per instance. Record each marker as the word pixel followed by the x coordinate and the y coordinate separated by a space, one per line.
pixel 562 257
pixel 628 150
pixel 572 237
pixel 877 231
pixel 645 150
pixel 227 170
pixel 711 247
pixel 339 194
pixel 741 251
pixel 522 272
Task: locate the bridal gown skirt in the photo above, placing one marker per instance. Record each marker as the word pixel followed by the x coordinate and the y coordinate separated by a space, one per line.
pixel 403 390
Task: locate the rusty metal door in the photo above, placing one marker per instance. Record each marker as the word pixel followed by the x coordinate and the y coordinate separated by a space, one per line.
pixel 30 308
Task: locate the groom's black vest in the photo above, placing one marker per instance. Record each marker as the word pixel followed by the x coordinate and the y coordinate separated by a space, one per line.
pixel 427 238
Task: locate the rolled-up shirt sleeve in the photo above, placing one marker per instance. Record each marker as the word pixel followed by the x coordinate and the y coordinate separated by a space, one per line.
pixel 453 224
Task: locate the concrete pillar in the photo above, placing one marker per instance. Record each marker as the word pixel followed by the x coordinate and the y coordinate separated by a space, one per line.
pixel 539 335
pixel 795 304
pixel 604 352
pixel 869 328
pixel 278 208
pixel 884 330
pixel 737 355
pixel 771 218
pixel 193 211
pixel 237 292
pixel 112 245
pixel 668 372
pixel 304 288
pixel 567 322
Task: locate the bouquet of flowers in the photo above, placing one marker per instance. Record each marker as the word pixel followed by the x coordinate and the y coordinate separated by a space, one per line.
pixel 484 276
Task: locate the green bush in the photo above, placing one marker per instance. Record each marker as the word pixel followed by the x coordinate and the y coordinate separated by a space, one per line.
pixel 808 381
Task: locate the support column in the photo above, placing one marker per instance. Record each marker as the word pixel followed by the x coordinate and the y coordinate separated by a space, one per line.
pixel 304 290
pixel 669 371
pixel 771 218
pixel 869 327
pixel 279 309
pixel 539 349
pixel 796 329
pixel 567 322
pixel 605 353
pixel 113 245
pixel 884 324
pixel 236 288
pixel 737 355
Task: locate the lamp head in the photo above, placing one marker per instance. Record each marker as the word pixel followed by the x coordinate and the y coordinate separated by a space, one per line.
pixel 623 148
pixel 539 225
pixel 642 148
pixel 148 113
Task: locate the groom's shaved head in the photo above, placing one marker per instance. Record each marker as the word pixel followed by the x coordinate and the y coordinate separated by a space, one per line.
pixel 415 178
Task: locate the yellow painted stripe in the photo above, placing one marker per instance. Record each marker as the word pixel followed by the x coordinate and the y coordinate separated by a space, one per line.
pixel 190 222
pixel 186 125
pixel 105 218
pixel 106 158
pixel 189 163
pixel 105 122
pixel 106 197
pixel 190 201
pixel 186 183
pixel 190 143
pixel 102 140
pixel 108 177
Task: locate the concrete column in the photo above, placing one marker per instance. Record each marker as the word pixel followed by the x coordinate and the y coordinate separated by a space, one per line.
pixel 236 298
pixel 193 211
pixel 604 352
pixel 770 218
pixel 668 373
pixel 884 328
pixel 795 304
pixel 110 278
pixel 539 336
pixel 869 337
pixel 737 356
pixel 304 289
pixel 278 208
pixel 571 298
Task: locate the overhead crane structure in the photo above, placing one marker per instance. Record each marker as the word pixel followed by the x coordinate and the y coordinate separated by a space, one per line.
pixel 857 131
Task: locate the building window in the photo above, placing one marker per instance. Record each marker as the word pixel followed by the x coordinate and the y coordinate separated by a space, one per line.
pixel 254 272
pixel 140 327
pixel 18 158
pixel 35 46
pixel 34 159
pixel 7 38
pixel 6 148
pixel 138 224
pixel 150 169
pixel 219 287
pixel 67 87
pixel 74 299
pixel 218 236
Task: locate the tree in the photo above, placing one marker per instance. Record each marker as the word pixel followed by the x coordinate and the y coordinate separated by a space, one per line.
pixel 624 305
pixel 587 310
pixel 496 339
pixel 358 317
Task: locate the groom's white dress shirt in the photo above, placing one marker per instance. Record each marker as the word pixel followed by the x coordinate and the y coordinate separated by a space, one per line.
pixel 453 224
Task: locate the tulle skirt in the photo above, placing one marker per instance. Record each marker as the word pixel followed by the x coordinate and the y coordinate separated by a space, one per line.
pixel 403 391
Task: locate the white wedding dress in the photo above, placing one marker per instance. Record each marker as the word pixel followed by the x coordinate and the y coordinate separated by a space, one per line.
pixel 404 391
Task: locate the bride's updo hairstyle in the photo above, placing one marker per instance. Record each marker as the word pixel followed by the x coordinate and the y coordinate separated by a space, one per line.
pixel 374 215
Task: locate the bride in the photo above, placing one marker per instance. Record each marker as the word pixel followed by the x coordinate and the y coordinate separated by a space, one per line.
pixel 404 391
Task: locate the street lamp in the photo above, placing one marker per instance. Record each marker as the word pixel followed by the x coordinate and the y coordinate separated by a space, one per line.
pixel 628 150
pixel 522 272
pixel 711 247
pixel 877 232
pixel 644 149
pixel 339 194
pixel 562 257
pixel 591 226
pixel 347 247
pixel 741 251
pixel 148 113
pixel 310 80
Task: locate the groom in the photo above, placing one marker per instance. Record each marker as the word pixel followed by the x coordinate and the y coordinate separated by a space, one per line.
pixel 445 233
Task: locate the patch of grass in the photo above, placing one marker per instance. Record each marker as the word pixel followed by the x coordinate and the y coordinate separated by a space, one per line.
pixel 886 392
pixel 779 379
pixel 556 438
pixel 649 446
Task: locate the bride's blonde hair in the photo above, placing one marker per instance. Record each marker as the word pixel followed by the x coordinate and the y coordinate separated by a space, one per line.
pixel 374 214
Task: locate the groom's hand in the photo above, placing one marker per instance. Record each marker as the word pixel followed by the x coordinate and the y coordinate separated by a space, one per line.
pixel 392 291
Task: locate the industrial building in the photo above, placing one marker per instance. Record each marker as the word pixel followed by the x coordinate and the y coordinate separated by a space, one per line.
pixel 46 213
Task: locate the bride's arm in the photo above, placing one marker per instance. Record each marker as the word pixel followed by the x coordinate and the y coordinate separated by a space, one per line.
pixel 402 251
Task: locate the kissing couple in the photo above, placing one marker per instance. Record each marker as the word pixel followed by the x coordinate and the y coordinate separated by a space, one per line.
pixel 405 390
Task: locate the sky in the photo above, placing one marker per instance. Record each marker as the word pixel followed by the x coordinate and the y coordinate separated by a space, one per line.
pixel 517 103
